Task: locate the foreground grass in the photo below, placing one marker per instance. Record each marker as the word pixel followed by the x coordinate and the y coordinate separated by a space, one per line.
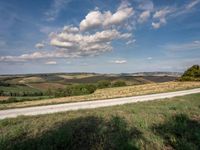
pixel 110 93
pixel 170 124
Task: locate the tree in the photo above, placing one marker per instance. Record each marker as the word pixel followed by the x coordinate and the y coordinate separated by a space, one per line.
pixel 191 74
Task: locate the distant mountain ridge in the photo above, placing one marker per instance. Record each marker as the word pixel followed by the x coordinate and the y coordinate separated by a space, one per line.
pixel 174 74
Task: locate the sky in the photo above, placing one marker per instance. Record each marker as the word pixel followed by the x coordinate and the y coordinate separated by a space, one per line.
pixel 103 36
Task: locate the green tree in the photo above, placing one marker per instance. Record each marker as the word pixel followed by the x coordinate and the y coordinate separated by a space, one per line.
pixel 192 74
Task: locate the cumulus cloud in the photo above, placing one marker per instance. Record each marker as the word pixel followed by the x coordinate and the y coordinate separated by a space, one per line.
pixel 119 61
pixel 86 44
pixel 144 16
pixel 51 63
pixel 39 45
pixel 96 18
pixel 77 41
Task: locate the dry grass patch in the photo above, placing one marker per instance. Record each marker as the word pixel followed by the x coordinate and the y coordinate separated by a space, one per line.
pixel 2 98
pixel 31 80
pixel 78 76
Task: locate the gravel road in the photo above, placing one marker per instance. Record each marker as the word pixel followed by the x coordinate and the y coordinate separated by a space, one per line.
pixel 38 110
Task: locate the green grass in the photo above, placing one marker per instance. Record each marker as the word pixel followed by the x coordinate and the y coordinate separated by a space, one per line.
pixel 17 88
pixel 24 98
pixel 170 124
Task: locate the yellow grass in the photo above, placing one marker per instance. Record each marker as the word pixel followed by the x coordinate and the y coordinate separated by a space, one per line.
pixel 111 93
pixel 78 76
pixel 31 80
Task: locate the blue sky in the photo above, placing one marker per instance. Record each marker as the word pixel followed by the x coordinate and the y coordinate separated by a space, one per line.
pixel 106 36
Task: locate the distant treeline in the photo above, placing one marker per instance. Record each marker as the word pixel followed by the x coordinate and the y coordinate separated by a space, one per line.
pixel 69 90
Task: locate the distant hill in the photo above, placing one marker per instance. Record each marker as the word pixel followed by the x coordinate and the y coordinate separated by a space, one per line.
pixel 173 74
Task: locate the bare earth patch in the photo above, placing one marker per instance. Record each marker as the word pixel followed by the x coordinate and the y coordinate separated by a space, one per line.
pixel 2 98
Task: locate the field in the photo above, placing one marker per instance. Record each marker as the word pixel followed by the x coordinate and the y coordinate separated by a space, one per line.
pixel 109 93
pixel 27 87
pixel 166 124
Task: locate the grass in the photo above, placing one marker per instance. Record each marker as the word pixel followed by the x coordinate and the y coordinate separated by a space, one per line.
pixel 170 124
pixel 32 80
pixel 5 100
pixel 76 76
pixel 18 88
pixel 46 86
pixel 109 93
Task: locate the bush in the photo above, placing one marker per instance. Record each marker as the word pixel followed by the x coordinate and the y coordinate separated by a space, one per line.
pixel 119 83
pixel 103 84
pixel 74 90
pixel 11 99
pixel 191 74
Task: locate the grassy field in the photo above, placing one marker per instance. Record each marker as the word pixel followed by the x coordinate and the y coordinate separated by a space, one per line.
pixel 18 88
pixel 168 124
pixel 110 93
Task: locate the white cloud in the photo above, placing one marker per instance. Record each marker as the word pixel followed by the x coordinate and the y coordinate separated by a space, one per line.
pixel 51 63
pixel 162 13
pixel 146 5
pixel 131 42
pixel 39 45
pixel 87 44
pixel 157 25
pixel 119 61
pixel 55 9
pixel 144 16
pixel 192 4
pixel 194 45
pixel 160 16
pixel 104 19
pixel 72 41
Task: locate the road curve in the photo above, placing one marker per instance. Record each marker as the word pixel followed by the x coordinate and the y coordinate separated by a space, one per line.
pixel 38 110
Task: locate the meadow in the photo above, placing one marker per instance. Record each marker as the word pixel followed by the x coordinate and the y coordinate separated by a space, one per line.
pixel 163 124
pixel 18 88
pixel 106 93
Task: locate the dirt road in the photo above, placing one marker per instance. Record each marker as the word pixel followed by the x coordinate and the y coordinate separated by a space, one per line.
pixel 37 110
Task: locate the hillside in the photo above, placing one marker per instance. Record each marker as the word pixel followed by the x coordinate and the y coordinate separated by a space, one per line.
pixel 170 124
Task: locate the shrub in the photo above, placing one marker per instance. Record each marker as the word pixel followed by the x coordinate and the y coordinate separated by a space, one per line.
pixel 119 83
pixel 73 90
pixel 103 84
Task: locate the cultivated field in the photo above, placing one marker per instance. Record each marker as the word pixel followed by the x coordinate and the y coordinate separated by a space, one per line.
pixel 110 93
pixel 170 124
